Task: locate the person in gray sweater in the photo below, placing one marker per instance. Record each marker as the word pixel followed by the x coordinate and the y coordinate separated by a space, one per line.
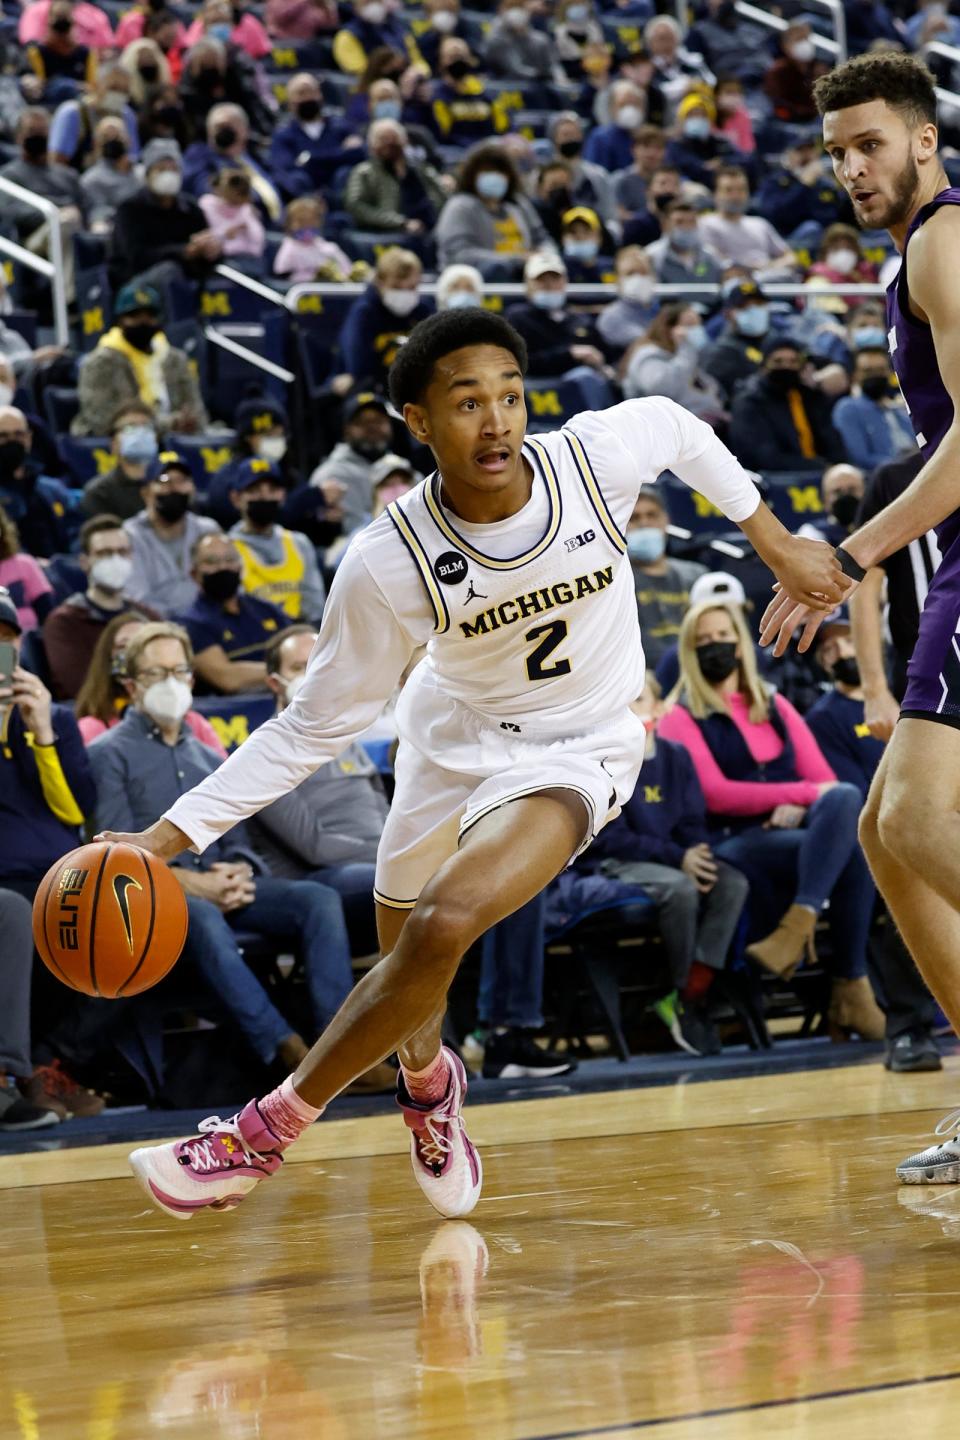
pixel 345 477
pixel 110 179
pixel 666 361
pixel 489 221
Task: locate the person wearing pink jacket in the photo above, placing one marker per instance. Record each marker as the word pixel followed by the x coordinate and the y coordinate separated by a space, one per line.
pixel 91 27
pixel 231 216
pixel 217 20
pixel 777 811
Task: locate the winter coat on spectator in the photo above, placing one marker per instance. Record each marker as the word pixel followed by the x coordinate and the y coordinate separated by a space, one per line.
pixel 371 336
pixel 107 378
pixel 764 433
pixel 304 158
pixel 471 234
pixel 146 233
pixel 91 26
pixel 239 227
pixel 378 199
pixel 46 793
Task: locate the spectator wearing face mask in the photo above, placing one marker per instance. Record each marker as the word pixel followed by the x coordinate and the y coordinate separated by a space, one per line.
pixel 461 112
pixel 149 72
pixel 382 317
pixel 231 25
pixel 788 82
pixel 134 445
pixel 217 74
pixel 676 69
pixel 590 184
pixel 23 578
pixel 698 149
pixel 160 233
pixel 489 222
pixel 778 421
pixel 308 148
pixel 459 287
pixel 371 26
pixel 135 360
pixel 261 430
pixel 872 421
pixel 110 179
pixel 515 50
pixel 841 492
pixel 228 628
pixel 163 535
pixel 662 584
pixel 162 118
pixel 226 148
pixel 800 190
pixel 646 225
pixel 562 341
pixel 648 148
pixel 611 146
pixel 234 221
pixel 840 258
pixel 735 238
pixel 43 509
pixel 90 25
pixel 575 26
pixel 346 476
pixel 279 565
pixel 392 190
pixel 736 353
pixel 554 196
pixel 305 254
pixel 679 255
pixel 587 251
pixel 71 631
pixel 445 17
pixel 60 64
pixel 666 361
pixel 625 319
pixel 75 121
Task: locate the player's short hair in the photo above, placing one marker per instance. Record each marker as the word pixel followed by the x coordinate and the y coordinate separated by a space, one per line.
pixel 903 81
pixel 439 335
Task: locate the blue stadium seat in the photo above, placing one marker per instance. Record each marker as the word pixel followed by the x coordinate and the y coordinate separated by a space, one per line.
pixel 25 324
pixel 60 406
pixel 206 453
pixel 85 456
pixel 94 302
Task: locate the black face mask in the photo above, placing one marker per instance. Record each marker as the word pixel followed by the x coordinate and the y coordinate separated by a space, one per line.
pixel 783 379
pixel 167 115
pixel 149 74
pixel 844 508
pixel 62 27
pixel 172 505
pixel 369 449
pixel 12 455
pixel 846 671
pixel 264 512
pixel 662 201
pixel 570 149
pixel 459 69
pixel 35 147
pixel 308 110
pixel 219 585
pixel 113 149
pixel 140 336
pixel 876 387
pixel 717 660
pixel 560 198
pixel 225 136
pixel 208 78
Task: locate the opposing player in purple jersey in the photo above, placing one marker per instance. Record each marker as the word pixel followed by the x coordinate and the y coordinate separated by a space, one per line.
pixel 880 130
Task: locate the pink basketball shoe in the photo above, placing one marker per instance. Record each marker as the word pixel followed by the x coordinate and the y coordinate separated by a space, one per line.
pixel 213 1170
pixel 444 1159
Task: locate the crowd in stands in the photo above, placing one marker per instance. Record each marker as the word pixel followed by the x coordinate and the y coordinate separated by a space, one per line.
pixel 168 527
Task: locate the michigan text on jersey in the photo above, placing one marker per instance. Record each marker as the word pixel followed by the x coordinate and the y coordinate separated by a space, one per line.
pixel 536 602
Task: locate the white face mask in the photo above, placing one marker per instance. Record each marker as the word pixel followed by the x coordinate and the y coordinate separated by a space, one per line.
pixel 374 13
pixel 293 686
pixel 167 701
pixel 515 17
pixel 114 102
pixel 843 261
pixel 638 287
pixel 401 302
pixel 165 182
pixel 629 117
pixel 111 572
pixel 444 21
pixel 802 51
pixel 272 448
pixel 6 393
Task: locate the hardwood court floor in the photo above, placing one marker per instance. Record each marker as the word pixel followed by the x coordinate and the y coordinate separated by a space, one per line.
pixel 717 1261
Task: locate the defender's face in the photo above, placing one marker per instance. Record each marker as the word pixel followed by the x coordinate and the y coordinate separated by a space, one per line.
pixel 875 155
pixel 473 416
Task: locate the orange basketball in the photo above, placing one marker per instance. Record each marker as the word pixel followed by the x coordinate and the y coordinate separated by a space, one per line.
pixel 109 920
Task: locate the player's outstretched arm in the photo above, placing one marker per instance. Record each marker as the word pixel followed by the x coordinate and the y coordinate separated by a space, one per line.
pixel 360 654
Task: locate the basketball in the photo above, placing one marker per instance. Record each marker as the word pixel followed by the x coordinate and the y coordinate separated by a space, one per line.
pixel 109 920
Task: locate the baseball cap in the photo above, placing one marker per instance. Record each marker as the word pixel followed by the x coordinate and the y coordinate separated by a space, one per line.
pixel 159 149
pixel 254 416
pixel 363 400
pixel 168 460
pixel 717 585
pixel 389 465
pixel 838 619
pixel 543 262
pixel 8 611
pixel 779 341
pixel 251 472
pixel 738 292
pixel 137 297
pixel 584 213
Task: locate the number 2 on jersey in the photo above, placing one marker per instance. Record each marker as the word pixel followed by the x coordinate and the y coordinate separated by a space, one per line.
pixel 550 636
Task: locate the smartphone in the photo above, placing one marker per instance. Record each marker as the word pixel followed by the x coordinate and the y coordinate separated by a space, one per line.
pixel 8 663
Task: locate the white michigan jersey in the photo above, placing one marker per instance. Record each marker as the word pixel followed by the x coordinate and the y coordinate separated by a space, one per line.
pixel 530 623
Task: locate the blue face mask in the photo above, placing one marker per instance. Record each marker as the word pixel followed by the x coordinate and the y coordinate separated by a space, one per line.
pixel 646 543
pixel 697 128
pixel 872 337
pixel 221 31
pixel 578 14
pixel 684 239
pixel 753 321
pixel 387 110
pixel 492 185
pixel 138 444
pixel 581 249
pixel 549 299
pixel 697 337
pixel 463 300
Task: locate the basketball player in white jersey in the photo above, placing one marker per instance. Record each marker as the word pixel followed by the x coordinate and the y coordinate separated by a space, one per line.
pixel 517 741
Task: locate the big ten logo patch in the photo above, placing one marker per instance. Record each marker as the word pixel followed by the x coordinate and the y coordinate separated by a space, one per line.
pixel 232 730
pixel 805 499
pixel 450 568
pixel 544 402
pixel 72 882
pixel 575 541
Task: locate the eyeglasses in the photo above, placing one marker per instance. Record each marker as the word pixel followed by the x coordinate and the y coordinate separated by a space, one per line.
pixel 162 672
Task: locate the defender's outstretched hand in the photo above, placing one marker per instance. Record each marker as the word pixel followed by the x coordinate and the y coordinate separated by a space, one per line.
pixel 784 616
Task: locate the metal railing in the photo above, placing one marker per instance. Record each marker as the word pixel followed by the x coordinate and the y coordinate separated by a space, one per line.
pixel 514 290
pixel 243 352
pixel 950 98
pixel 51 269
pixel 247 282
pixel 776 22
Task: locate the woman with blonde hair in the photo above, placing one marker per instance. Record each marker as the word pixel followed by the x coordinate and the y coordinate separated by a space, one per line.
pixel 148 69
pixel 776 809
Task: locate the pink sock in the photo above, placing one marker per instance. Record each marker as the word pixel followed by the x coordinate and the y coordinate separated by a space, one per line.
pixel 428 1086
pixel 286 1114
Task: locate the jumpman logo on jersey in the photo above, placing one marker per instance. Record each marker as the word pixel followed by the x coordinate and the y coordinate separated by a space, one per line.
pixel 473 594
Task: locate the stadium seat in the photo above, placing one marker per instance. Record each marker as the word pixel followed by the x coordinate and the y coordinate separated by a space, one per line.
pixel 60 405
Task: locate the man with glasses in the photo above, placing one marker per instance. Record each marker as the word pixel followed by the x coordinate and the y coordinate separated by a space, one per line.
pixel 163 536
pixel 227 888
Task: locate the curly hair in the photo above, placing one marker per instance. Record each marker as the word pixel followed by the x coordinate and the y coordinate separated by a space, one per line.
pixel 903 81
pixel 488 156
pixel 439 335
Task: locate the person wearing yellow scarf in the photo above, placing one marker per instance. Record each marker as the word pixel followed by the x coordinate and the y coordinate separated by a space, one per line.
pixel 137 335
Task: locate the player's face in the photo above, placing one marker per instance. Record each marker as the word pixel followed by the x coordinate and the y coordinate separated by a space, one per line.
pixel 876 157
pixel 474 418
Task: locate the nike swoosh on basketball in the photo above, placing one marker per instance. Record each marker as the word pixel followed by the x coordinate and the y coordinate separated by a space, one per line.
pixel 121 884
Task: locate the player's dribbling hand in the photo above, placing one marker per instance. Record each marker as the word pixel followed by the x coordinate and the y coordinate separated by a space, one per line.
pixel 163 839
